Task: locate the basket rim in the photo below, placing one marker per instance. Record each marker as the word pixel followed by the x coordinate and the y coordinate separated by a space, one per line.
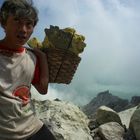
pixel 61 50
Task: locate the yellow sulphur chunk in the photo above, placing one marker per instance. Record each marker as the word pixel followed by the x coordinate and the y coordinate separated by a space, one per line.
pixel 47 44
pixel 34 43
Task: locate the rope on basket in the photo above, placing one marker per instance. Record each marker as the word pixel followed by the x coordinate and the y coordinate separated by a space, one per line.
pixel 64 56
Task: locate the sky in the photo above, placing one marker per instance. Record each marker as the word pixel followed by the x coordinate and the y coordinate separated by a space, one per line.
pixel 110 60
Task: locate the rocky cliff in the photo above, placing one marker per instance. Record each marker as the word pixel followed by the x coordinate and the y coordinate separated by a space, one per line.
pixel 111 101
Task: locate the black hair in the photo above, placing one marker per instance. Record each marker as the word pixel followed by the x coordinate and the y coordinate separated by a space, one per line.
pixel 19 9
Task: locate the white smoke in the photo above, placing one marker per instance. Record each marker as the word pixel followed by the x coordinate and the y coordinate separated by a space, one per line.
pixel 111 59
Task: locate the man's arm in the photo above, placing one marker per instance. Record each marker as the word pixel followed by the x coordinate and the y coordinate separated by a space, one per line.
pixel 42 85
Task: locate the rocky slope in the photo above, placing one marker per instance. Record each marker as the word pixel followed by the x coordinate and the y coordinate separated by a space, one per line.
pixel 102 122
pixel 65 120
pixel 68 122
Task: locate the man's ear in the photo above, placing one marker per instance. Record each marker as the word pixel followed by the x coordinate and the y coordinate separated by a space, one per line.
pixel 2 25
pixel 0 20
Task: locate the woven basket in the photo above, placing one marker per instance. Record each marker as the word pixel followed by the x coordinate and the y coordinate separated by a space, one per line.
pixel 62 65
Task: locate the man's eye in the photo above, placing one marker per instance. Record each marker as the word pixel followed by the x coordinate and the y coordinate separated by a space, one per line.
pixel 30 24
pixel 16 20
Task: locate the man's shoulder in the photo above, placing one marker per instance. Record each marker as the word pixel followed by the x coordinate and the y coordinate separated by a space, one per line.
pixel 29 51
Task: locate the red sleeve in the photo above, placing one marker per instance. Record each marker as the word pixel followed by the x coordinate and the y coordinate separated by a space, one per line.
pixel 36 73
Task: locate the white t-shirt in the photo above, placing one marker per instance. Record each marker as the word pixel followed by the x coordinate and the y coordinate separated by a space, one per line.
pixel 17 120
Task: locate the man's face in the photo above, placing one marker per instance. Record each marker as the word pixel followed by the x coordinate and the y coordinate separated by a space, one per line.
pixel 18 30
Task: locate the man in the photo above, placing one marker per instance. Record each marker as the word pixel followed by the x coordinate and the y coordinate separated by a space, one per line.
pixel 19 68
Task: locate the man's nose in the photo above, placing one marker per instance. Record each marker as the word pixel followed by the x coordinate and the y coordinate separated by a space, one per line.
pixel 23 28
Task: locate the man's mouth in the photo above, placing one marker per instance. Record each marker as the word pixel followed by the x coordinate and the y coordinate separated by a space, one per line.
pixel 21 37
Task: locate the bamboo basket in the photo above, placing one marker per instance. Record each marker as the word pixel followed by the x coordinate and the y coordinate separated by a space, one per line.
pixel 62 65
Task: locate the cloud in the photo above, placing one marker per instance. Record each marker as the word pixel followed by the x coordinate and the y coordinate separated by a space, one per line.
pixel 111 58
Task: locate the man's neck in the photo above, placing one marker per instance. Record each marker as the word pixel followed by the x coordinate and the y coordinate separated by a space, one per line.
pixel 8 46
